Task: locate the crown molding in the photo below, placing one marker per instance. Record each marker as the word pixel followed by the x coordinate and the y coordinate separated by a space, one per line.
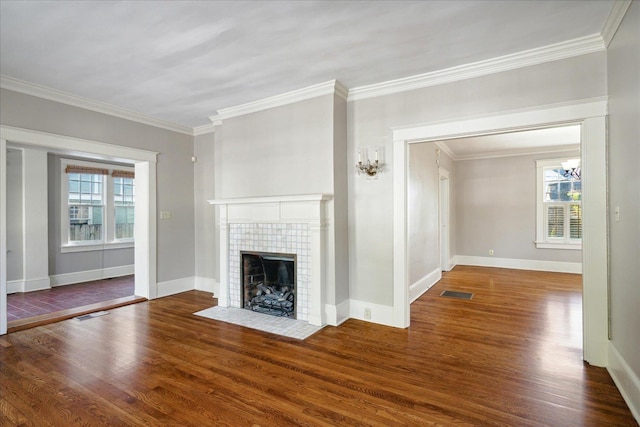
pixel 203 129
pixel 327 88
pixel 614 19
pixel 554 52
pixel 26 88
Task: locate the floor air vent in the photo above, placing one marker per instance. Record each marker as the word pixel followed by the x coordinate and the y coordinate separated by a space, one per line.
pixel 91 315
pixel 458 295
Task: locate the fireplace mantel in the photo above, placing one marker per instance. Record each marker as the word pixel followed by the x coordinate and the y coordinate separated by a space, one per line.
pixel 309 209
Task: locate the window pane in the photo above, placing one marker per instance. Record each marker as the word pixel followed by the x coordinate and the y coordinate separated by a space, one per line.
pixel 85 223
pixel 124 222
pixel 575 221
pixel 555 221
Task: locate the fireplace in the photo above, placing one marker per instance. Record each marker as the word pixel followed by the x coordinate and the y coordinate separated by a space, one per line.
pixel 281 226
pixel 269 283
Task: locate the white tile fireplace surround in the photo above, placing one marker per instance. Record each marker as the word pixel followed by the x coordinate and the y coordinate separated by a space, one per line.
pixel 284 224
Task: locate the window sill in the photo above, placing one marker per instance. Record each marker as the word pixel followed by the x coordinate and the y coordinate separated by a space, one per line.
pixel 87 247
pixel 551 245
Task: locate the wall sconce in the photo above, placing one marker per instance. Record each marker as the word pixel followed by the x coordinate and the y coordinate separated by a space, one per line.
pixel 367 167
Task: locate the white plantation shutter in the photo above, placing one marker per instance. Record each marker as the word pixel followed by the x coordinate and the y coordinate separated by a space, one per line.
pixel 555 222
pixel 575 221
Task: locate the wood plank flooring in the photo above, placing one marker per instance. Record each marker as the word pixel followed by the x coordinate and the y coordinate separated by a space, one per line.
pixel 511 356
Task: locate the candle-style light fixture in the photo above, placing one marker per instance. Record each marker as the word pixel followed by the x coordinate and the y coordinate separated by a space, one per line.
pixel 367 167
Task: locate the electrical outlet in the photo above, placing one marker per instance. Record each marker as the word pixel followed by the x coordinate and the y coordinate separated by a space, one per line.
pixel 367 313
pixel 491 252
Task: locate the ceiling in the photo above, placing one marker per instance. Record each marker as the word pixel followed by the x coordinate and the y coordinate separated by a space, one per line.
pixel 182 61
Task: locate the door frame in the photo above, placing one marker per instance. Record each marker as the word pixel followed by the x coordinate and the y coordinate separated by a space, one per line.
pixel 145 208
pixel 591 115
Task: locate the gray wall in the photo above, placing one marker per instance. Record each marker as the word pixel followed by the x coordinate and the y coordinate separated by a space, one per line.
pixel 281 151
pixel 623 63
pixel 63 263
pixel 174 169
pixel 206 251
pixel 423 209
pixel 15 247
pixel 496 209
pixel 371 122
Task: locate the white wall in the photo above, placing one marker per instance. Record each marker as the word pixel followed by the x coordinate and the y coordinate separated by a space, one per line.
pixel 175 240
pixel 623 64
pixel 371 122
pixel 496 209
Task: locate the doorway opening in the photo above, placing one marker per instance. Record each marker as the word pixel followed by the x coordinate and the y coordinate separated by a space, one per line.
pixel 591 115
pixel 144 163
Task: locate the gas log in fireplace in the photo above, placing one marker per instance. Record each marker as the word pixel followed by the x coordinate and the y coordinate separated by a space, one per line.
pixel 269 283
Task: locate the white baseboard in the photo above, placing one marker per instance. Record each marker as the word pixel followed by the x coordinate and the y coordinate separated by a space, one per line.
pixel 520 264
pixel 625 379
pixel 90 275
pixel 171 287
pixel 423 285
pixel 207 284
pixel 337 314
pixel 14 286
pixel 381 314
pixel 30 285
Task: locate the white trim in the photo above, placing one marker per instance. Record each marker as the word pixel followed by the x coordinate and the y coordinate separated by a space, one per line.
pixel 591 114
pixel 614 20
pixel 91 275
pixel 207 284
pixel 543 116
pixel 43 92
pixel 554 52
pixel 423 285
pixel 176 286
pixel 204 129
pixel 625 379
pixel 88 247
pixel 65 144
pixel 520 264
pixel 272 199
pixel 31 285
pixel 326 88
pixel 380 314
pixel 14 286
pixel 337 314
pixel 516 152
pixel 3 236
pixel 551 245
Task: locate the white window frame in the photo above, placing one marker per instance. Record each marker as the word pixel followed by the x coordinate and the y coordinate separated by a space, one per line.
pixel 542 241
pixel 108 238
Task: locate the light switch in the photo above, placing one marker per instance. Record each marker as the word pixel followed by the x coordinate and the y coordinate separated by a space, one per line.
pixel 617 211
pixel 165 214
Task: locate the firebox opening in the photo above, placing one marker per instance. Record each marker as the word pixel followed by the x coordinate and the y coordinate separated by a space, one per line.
pixel 269 283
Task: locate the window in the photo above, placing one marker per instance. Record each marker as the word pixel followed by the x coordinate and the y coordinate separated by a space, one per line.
pixel 98 203
pixel 559 204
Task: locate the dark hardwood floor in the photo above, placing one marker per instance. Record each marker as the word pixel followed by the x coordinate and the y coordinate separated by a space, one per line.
pixel 511 356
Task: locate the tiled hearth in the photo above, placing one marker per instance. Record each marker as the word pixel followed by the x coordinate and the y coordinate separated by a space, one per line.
pixel 288 224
